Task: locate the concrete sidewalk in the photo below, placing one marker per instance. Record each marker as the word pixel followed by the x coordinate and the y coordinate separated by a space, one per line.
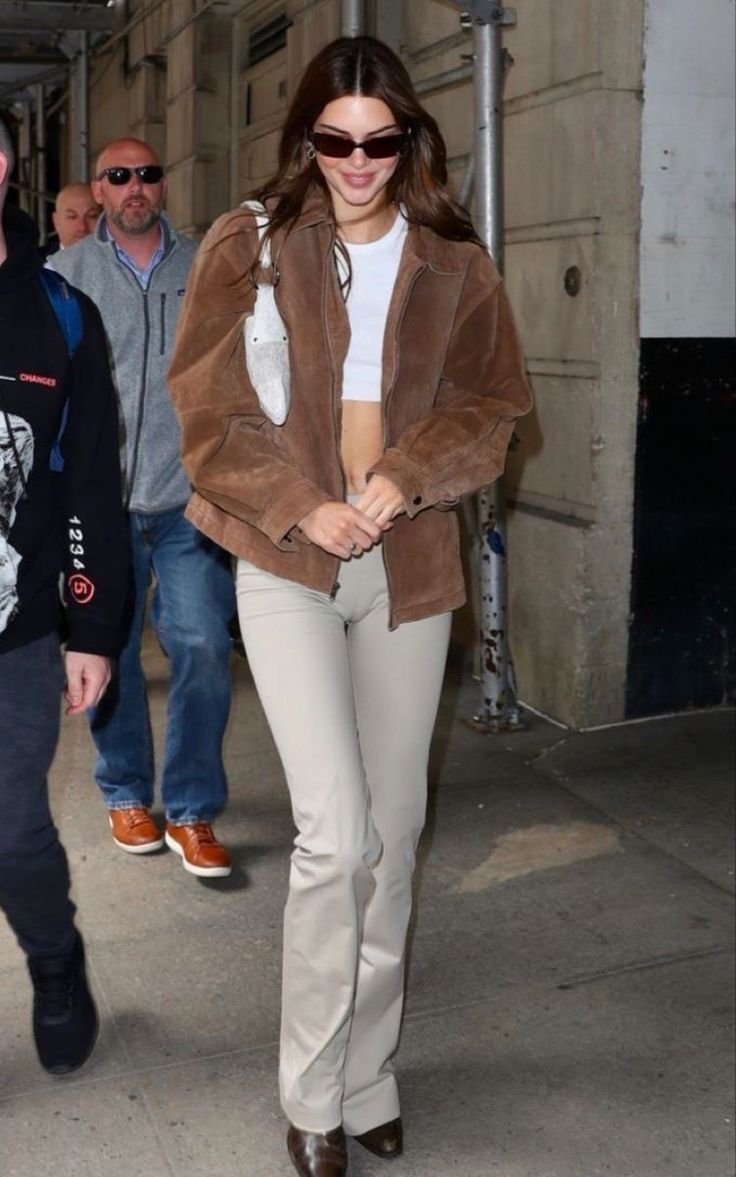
pixel 570 990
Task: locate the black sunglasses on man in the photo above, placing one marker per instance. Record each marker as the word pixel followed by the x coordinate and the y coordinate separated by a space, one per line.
pixel 147 173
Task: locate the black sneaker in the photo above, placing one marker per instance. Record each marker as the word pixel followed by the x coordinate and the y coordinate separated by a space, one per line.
pixel 64 1014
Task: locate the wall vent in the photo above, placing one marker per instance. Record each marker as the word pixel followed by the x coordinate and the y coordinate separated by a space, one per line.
pixel 267 38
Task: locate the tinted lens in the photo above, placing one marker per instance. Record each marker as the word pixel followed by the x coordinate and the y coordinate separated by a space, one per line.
pixel 333 146
pixel 338 147
pixel 116 175
pixel 149 173
pixel 383 146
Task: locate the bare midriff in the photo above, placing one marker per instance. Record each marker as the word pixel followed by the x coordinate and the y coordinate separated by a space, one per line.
pixel 362 441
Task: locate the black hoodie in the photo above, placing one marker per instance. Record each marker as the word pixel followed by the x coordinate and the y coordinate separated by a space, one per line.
pixel 51 522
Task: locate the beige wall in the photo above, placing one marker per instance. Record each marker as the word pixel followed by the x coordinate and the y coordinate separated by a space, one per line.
pixel 572 199
pixel 572 145
pixel 168 82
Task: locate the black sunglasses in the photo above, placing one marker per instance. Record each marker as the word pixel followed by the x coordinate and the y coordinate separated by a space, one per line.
pixel 147 173
pixel 339 147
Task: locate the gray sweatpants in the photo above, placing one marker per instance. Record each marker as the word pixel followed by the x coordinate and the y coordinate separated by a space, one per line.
pixel 351 706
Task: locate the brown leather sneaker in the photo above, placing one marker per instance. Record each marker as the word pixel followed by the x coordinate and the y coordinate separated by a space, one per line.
pixel 135 830
pixel 199 849
pixel 318 1154
pixel 386 1140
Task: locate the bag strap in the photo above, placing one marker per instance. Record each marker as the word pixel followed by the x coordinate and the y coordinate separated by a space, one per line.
pixel 262 220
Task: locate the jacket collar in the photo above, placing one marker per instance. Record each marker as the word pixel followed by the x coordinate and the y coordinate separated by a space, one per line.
pixel 434 251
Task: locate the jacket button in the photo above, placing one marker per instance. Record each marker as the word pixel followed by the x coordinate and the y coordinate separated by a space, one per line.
pixel 417 500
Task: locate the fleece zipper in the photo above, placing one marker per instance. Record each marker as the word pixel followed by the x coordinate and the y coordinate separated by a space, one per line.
pixel 141 401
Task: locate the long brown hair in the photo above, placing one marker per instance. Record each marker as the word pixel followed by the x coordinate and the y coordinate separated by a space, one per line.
pixel 365 66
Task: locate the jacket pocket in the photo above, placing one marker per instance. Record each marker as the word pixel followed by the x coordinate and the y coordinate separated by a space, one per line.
pixel 162 348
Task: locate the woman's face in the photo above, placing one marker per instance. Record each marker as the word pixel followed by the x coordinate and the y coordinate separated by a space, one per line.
pixel 357 182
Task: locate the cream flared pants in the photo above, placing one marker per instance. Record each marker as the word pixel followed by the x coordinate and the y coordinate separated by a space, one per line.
pixel 351 706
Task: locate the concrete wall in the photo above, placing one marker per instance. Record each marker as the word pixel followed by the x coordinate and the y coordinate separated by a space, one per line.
pixel 572 200
pixel 687 237
pixel 572 156
pixel 167 81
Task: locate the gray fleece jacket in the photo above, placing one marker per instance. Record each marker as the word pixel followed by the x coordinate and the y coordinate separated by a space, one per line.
pixel 140 328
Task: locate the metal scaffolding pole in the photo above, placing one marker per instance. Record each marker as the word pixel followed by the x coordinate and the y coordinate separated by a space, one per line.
pixel 80 107
pixel 24 170
pixel 353 18
pixel 40 176
pixel 499 710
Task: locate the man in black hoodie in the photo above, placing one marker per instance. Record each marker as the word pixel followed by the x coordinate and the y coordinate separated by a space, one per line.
pixel 60 515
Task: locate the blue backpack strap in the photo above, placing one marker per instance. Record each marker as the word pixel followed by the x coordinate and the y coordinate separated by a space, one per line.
pixel 65 306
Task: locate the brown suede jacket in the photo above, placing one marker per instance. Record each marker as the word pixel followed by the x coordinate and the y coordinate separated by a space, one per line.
pixel 453 384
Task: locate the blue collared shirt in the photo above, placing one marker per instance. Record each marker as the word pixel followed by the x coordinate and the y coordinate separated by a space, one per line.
pixel 143 277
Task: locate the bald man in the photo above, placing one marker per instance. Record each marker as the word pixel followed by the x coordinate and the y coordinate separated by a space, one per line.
pixel 135 267
pixel 75 214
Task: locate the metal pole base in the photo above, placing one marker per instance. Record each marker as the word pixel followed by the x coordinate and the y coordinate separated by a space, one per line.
pixel 501 725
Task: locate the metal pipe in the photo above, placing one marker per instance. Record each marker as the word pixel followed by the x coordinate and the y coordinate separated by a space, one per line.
pixel 487 83
pixel 24 157
pixel 40 177
pixel 449 77
pixel 80 122
pixel 353 18
pixel 499 709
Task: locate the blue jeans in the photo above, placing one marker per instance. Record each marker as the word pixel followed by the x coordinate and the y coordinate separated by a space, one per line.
pixel 34 876
pixel 193 602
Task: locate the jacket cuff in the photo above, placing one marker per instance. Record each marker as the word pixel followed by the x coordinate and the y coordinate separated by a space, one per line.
pixel 89 637
pixel 404 475
pixel 282 516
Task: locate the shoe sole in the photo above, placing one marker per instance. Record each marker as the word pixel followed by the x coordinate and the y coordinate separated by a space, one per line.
pixel 376 1152
pixel 59 1071
pixel 202 872
pixel 144 848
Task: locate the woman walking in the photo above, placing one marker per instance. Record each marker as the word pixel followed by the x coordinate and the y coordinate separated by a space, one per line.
pixel 406 379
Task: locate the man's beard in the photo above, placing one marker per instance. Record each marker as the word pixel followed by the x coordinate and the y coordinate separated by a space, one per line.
pixel 136 224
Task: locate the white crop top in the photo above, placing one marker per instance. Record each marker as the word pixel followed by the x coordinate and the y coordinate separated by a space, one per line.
pixel 374 265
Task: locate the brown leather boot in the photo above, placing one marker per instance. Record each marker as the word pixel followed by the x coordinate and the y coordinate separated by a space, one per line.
pixel 135 830
pixel 199 849
pixel 318 1154
pixel 386 1140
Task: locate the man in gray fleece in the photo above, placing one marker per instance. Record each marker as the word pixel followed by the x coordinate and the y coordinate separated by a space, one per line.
pixel 134 267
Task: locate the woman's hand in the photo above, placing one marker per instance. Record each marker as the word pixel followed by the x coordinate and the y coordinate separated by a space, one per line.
pixel 382 501
pixel 340 529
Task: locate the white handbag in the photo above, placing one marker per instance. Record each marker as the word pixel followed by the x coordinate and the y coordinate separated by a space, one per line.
pixel 266 341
